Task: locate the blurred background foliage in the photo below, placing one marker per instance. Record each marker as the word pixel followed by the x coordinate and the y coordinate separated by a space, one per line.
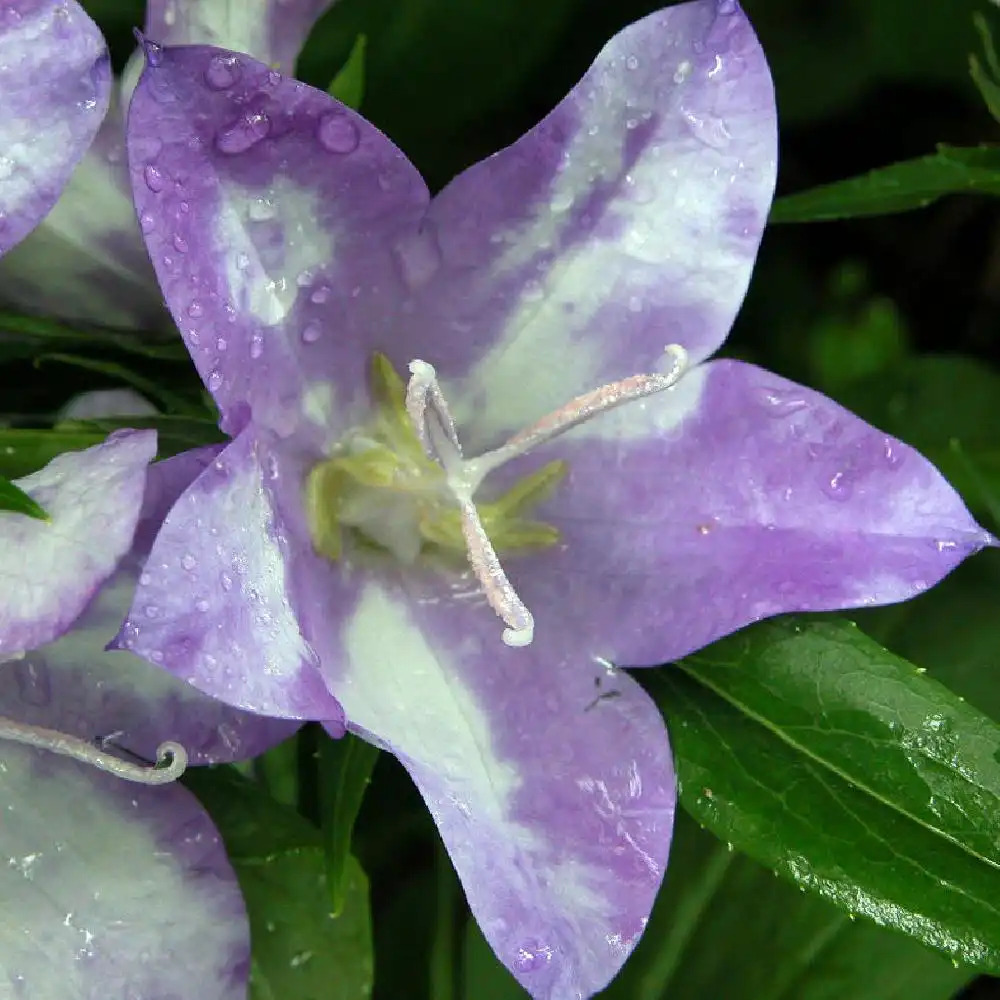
pixel 897 316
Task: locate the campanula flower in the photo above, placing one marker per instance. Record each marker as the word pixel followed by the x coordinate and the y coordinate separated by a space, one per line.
pixel 479 461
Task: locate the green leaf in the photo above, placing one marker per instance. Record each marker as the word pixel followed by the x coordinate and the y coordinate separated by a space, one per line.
pixel 345 771
pixel 848 771
pixel 986 78
pixel 25 451
pixel 348 85
pixel 13 498
pixel 725 927
pixel 299 948
pixel 897 188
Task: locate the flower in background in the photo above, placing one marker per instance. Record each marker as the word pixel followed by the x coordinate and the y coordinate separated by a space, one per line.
pixel 107 882
pixel 496 403
pixel 86 261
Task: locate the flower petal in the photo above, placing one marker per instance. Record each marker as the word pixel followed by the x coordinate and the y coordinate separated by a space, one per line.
pixel 272 31
pixel 75 686
pixel 55 78
pixel 550 780
pixel 113 888
pixel 213 603
pixel 269 211
pixel 629 218
pixel 734 496
pixel 52 568
pixel 86 260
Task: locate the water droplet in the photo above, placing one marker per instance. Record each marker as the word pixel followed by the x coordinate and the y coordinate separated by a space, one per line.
pixel 188 561
pixel 261 209
pixel 337 133
pixel 838 486
pixel 256 346
pixel 893 453
pixel 781 402
pixel 418 257
pixel 532 956
pixel 533 291
pixel 562 201
pixel 151 611
pixel 311 332
pixel 708 129
pixel 221 344
pixel 145 580
pixel 631 62
pixel 214 381
pixel 727 6
pixel 222 72
pixel 180 244
pixel 155 180
pixel 201 605
pixel 244 133
pixel 146 222
pixel 242 261
pixel 320 295
pixel 683 71
pixel 226 581
pixel 195 310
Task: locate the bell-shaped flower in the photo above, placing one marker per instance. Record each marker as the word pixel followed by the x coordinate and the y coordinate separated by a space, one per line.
pixel 496 403
pixel 110 886
pixel 86 261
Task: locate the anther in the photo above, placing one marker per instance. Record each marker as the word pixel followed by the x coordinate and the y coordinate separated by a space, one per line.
pixel 171 758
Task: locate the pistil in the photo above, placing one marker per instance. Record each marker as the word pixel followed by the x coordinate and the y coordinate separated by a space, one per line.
pixel 433 424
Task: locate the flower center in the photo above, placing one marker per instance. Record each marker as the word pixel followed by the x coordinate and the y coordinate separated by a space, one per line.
pixel 403 485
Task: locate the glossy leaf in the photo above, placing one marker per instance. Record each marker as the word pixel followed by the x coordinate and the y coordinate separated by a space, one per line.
pixel 897 188
pixel 299 948
pixel 13 498
pixel 847 770
pixel 345 771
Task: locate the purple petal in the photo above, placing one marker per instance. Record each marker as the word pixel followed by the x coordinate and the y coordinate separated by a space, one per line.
pixel 629 218
pixel 213 603
pixel 556 805
pixel 76 686
pixel 734 496
pixel 86 260
pixel 55 78
pixel 52 568
pixel 113 889
pixel 272 31
pixel 269 211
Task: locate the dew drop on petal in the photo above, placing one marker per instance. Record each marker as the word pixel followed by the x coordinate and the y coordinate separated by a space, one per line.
pixel 256 346
pixel 146 222
pixel 154 178
pixel 532 956
pixel 188 561
pixel 337 133
pixel 311 332
pixel 214 381
pixel 222 72
pixel 320 295
pixel 244 133
pixel 838 486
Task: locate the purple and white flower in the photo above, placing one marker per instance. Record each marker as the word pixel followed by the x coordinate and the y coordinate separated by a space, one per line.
pixel 497 402
pixel 86 260
pixel 107 881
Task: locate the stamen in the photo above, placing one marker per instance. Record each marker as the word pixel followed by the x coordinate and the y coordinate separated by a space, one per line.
pixel 498 589
pixel 171 758
pixel 433 424
pixel 576 411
